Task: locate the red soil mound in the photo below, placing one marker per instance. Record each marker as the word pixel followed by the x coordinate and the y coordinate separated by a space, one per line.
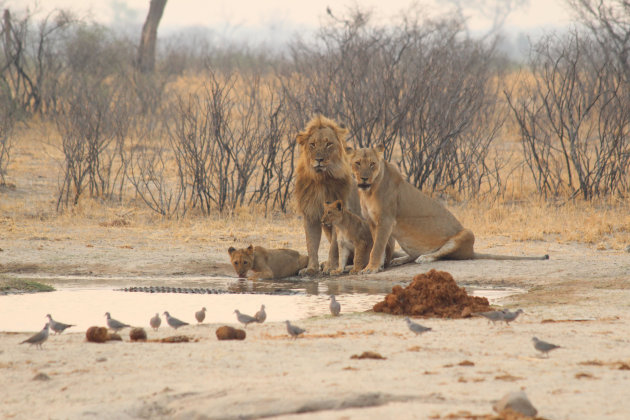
pixel 433 295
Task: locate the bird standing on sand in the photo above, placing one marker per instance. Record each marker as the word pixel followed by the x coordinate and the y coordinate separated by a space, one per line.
pixel 56 326
pixel 174 322
pixel 244 318
pixel 511 316
pixel 493 316
pixel 261 315
pixel 293 330
pixel 201 315
pixel 335 307
pixel 543 346
pixel 416 328
pixel 114 324
pixel 155 322
pixel 39 338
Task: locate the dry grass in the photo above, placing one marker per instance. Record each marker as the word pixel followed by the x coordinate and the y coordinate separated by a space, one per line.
pixel 28 210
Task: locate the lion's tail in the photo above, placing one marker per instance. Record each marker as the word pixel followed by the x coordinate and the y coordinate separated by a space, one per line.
pixel 477 256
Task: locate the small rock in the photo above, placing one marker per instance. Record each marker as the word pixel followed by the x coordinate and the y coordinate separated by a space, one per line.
pixel 41 377
pixel 230 333
pixel 96 334
pixel 515 401
pixel 138 334
pixel 101 359
pixel 368 355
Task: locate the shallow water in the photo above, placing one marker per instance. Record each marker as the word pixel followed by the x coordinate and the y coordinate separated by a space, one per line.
pixel 75 303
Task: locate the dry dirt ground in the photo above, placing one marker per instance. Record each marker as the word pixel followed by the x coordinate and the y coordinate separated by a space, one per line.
pixel 268 375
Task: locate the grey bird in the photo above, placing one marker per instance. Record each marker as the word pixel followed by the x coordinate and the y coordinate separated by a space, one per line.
pixel 492 316
pixel 293 330
pixel 174 322
pixel 335 307
pixel 261 315
pixel 416 328
pixel 39 338
pixel 543 346
pixel 114 324
pixel 201 315
pixel 511 316
pixel 244 318
pixel 57 326
pixel 155 322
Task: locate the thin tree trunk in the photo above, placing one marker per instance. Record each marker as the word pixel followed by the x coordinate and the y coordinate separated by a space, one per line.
pixel 146 52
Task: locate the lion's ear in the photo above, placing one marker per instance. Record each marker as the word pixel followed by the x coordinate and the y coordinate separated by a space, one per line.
pixel 231 250
pixel 349 151
pixel 341 133
pixel 380 148
pixel 301 138
pixel 250 249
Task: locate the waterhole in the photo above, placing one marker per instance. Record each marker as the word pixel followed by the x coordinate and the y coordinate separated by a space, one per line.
pixel 84 301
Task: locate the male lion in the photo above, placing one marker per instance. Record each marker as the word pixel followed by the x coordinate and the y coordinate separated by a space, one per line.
pixel 423 227
pixel 353 235
pixel 323 174
pixel 266 263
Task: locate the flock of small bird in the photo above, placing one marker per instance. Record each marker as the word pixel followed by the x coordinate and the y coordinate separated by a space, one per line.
pixel 294 331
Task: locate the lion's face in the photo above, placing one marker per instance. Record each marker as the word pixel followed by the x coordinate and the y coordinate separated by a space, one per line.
pixel 322 147
pixel 242 260
pixel 333 213
pixel 366 165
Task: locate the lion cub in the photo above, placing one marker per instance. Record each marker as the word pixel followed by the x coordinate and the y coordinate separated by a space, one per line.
pixel 266 263
pixel 353 234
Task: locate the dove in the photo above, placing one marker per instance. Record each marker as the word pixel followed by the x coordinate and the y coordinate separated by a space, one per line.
pixel 39 338
pixel 416 328
pixel 511 316
pixel 493 316
pixel 335 307
pixel 201 315
pixel 174 322
pixel 261 315
pixel 293 330
pixel 155 322
pixel 114 324
pixel 543 346
pixel 57 326
pixel 244 318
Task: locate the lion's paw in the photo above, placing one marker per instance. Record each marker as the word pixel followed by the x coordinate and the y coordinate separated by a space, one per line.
pixel 309 272
pixel 336 272
pixel 423 259
pixel 370 270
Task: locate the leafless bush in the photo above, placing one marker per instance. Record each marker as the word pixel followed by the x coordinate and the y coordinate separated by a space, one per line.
pixel 30 61
pixel 93 121
pixel 7 121
pixel 423 88
pixel 574 117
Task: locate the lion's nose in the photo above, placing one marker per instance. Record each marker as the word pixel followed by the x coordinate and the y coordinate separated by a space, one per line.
pixel 319 160
pixel 364 178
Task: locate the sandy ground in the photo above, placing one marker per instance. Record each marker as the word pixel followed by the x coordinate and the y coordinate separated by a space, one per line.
pixel 270 375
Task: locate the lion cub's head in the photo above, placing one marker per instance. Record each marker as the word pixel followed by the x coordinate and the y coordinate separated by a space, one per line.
pixel 242 259
pixel 323 145
pixel 333 212
pixel 366 165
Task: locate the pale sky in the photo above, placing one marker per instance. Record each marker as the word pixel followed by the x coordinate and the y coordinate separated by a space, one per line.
pixel 269 14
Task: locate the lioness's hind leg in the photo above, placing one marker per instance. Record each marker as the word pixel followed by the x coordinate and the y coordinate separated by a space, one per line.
pixel 458 247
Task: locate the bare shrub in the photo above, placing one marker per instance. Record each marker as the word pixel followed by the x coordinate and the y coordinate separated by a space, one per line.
pixel 93 121
pixel 574 118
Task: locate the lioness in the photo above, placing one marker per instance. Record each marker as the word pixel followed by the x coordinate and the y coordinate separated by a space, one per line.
pixel 423 227
pixel 323 174
pixel 266 263
pixel 353 235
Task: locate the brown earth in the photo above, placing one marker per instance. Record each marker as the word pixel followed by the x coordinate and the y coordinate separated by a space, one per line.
pixel 432 295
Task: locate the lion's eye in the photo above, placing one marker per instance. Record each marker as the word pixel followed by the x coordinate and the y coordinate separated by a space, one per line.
pixel 329 145
pixel 372 165
pixel 244 262
pixel 312 145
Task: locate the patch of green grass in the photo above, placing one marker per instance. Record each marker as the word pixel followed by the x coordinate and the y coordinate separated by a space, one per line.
pixel 23 286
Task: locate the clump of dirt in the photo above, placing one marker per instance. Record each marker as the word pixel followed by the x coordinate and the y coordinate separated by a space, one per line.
pixel 368 355
pixel 230 333
pixel 433 295
pixel 96 334
pixel 138 334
